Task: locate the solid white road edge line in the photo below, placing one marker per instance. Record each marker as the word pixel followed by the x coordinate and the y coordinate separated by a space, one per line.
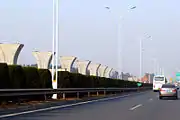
pixel 64 106
pixel 133 108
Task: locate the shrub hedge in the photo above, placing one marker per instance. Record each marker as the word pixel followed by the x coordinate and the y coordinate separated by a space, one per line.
pixel 75 80
pixel 4 76
pixel 17 77
pixel 32 77
pixel 45 78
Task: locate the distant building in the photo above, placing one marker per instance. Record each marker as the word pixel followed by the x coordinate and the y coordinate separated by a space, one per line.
pixel 148 77
pixel 125 76
pixel 29 65
pixel 132 78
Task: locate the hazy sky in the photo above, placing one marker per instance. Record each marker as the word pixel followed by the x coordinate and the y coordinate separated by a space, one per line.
pixel 89 31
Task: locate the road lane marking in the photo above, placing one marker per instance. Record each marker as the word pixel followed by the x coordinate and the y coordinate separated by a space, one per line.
pixel 65 106
pixel 137 106
pixel 150 99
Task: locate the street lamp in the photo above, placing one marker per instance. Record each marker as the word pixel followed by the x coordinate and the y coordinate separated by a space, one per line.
pixel 141 50
pixel 57 39
pixel 154 65
pixel 118 31
pixel 157 67
pixel 55 44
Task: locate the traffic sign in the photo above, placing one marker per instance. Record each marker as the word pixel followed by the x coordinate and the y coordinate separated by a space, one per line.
pixel 177 76
pixel 139 84
pixel 171 80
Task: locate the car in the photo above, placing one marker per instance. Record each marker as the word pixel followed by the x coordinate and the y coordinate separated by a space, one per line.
pixel 168 90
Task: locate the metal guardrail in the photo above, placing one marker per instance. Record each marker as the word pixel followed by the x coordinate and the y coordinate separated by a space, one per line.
pixel 24 92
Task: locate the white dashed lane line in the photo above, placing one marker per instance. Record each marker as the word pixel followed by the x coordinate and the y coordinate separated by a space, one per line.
pixel 150 99
pixel 137 106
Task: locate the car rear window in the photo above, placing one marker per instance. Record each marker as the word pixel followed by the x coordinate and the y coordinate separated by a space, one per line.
pixel 168 86
pixel 159 78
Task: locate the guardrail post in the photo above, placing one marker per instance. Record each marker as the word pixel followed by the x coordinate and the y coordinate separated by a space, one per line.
pixel 88 94
pixel 104 92
pixel 77 95
pixel 45 98
pixel 64 96
pixel 97 93
pixel 47 92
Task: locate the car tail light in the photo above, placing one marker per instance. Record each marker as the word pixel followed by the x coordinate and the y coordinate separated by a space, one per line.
pixel 161 89
pixel 174 90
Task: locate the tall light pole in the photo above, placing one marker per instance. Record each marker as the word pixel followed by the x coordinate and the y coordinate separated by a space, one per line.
pixel 53 42
pixel 163 72
pixel 57 39
pixel 55 46
pixel 158 68
pixel 140 52
pixel 154 65
pixel 118 32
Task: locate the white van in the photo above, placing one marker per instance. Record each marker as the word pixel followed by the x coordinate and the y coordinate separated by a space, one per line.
pixel 158 81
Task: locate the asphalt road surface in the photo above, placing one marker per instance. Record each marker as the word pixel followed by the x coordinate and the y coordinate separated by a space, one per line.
pixel 145 106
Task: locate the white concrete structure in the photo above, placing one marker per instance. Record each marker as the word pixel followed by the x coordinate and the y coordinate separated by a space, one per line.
pixel 101 71
pixel 43 59
pixel 58 70
pixel 9 53
pixel 74 70
pixel 114 74
pixel 82 66
pixel 108 72
pixel 67 62
pixel 93 69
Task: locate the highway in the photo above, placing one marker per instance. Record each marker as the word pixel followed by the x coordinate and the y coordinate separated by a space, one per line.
pixel 145 106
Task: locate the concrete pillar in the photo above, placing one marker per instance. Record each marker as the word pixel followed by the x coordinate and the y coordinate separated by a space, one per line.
pixel 67 62
pixel 101 70
pixel 82 66
pixel 108 72
pixel 9 53
pixel 114 74
pixel 93 68
pixel 43 59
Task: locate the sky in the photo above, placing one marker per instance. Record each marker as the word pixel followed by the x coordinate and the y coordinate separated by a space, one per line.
pixel 90 32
